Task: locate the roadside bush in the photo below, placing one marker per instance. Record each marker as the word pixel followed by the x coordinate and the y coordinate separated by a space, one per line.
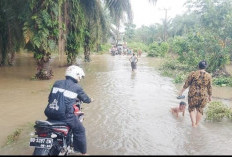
pixel 13 137
pixel 201 45
pixel 158 50
pixel 138 45
pixel 173 64
pixel 164 48
pixel 217 60
pixel 173 68
pixel 154 50
pixel 180 77
pixel 167 73
pixel 222 81
pixel 179 45
pixel 217 111
pixel 104 48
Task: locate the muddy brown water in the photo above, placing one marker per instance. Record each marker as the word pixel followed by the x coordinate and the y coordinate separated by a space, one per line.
pixel 130 114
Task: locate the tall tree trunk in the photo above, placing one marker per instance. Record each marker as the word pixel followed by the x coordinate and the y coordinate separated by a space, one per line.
pixel 87 48
pixel 1 48
pixel 4 44
pixel 87 53
pixel 11 58
pixel 10 51
pixel 4 53
pixel 61 37
pixel 44 71
pixel 71 59
pixel 63 19
pixel 87 45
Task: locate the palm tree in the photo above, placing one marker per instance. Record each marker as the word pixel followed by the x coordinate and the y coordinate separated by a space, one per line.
pixel 96 24
pixel 75 29
pixel 41 32
pixel 11 35
pixel 121 12
pixel 47 26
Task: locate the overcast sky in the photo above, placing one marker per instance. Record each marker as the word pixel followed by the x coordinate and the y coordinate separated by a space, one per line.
pixel 146 13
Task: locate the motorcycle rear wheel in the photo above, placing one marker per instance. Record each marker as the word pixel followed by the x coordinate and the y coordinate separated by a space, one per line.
pixel 41 151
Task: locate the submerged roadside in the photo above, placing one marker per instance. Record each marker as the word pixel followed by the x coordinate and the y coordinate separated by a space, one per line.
pixel 20 146
pixel 17 142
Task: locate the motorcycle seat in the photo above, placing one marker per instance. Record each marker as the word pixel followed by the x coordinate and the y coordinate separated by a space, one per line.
pixel 50 123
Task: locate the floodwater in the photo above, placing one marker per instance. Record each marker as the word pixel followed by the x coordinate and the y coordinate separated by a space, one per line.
pixel 130 114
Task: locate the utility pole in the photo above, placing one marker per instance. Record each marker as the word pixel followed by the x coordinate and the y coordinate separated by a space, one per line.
pixel 165 23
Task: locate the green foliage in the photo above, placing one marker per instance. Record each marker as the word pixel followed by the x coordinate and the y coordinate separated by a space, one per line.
pixel 138 46
pixel 222 81
pixel 203 34
pixel 12 17
pixel 14 136
pixel 218 60
pixel 180 77
pixel 41 33
pixel 41 28
pixel 179 45
pixel 164 48
pixel 97 26
pixel 129 32
pixel 76 29
pixel 154 50
pixel 173 68
pixel 158 50
pixel 217 111
pixel 148 34
pixel 167 73
pixel 174 64
pixel 182 25
pixel 203 45
pixel 104 48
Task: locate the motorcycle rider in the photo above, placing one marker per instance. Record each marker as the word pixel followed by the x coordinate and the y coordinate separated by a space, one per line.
pixel 71 92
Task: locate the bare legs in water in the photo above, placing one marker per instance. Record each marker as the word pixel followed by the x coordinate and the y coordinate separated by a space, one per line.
pixel 195 118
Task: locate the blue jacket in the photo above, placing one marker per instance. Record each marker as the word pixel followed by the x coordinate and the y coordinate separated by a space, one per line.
pixel 72 91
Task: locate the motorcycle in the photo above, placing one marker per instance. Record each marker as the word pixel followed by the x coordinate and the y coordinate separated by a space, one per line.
pixel 54 137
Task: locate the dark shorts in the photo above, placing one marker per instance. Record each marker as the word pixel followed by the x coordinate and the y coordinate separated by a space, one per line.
pixel 133 65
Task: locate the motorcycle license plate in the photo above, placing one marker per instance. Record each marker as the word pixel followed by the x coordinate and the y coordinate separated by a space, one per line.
pixel 40 142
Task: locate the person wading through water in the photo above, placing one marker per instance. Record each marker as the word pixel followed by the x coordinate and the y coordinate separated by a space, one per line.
pixel 200 92
pixel 133 59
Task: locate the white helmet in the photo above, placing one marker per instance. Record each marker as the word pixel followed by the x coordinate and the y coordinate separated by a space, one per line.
pixel 75 72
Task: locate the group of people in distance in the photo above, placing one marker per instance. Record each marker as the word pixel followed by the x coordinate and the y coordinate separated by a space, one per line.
pixel 126 51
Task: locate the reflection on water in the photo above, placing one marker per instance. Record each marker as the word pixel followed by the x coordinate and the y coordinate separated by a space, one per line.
pixel 133 74
pixel 130 114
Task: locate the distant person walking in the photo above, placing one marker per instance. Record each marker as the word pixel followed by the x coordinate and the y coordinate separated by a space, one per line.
pixel 133 59
pixel 200 92
pixel 139 53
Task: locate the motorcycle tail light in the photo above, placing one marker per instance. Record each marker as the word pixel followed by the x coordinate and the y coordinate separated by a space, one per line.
pixel 42 131
pixel 42 134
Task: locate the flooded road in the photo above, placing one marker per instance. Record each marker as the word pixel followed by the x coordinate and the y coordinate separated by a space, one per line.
pixel 130 114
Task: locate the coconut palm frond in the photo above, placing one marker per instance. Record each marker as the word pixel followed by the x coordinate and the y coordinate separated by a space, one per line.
pixel 118 8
